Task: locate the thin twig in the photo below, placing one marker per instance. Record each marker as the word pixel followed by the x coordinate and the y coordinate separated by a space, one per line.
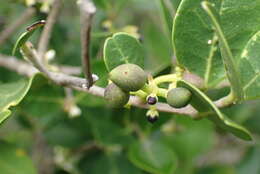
pixel 42 154
pixel 10 29
pixel 87 11
pixel 12 63
pixel 77 83
pixel 46 34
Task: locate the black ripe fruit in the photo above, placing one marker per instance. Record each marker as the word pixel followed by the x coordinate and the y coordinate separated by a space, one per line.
pixel 152 119
pixel 115 96
pixel 151 100
pixel 178 97
pixel 129 77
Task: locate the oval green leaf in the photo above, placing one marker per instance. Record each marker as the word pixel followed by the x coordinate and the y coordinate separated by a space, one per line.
pixel 153 156
pixel 122 48
pixel 203 103
pixel 227 56
pixel 198 51
pixel 195 43
pixel 11 95
pixel 167 15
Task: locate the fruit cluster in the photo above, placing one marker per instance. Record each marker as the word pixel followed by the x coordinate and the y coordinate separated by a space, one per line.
pixel 130 79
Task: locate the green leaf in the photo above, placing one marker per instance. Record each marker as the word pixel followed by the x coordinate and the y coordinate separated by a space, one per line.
pixel 216 169
pixel 64 135
pixel 249 66
pixel 160 54
pixel 11 95
pixel 21 40
pixel 105 131
pixel 250 162
pixel 153 156
pixel 26 35
pixel 195 43
pixel 239 22
pixel 4 115
pixel 14 160
pixel 112 163
pixel 101 3
pixel 166 14
pixel 187 141
pixel 204 104
pixel 227 56
pixel 122 48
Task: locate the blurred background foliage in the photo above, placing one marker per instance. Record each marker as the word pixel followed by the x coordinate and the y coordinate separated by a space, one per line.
pixel 44 135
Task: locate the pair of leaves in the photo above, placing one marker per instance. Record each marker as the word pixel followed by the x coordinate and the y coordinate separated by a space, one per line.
pixel 235 24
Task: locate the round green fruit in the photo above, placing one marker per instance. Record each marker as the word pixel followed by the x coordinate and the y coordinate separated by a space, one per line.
pixel 115 96
pixel 178 97
pixel 129 77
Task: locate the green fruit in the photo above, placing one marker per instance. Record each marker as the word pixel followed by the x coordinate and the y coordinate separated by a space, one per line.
pixel 115 96
pixel 128 77
pixel 178 97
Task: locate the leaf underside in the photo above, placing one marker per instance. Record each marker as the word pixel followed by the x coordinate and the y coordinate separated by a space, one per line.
pixel 198 51
pixel 195 44
pixel 202 103
pixel 250 68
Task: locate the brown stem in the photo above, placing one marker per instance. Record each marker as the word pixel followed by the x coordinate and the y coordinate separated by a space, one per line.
pixel 42 154
pixel 87 11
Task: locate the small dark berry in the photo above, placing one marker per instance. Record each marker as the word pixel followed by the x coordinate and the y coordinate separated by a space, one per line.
pixel 151 100
pixel 152 119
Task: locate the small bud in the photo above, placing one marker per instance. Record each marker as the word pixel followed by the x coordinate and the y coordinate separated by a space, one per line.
pixel 50 55
pixel 107 25
pixel 74 111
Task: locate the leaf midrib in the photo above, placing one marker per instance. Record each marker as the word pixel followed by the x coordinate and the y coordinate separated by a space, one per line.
pixel 124 58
